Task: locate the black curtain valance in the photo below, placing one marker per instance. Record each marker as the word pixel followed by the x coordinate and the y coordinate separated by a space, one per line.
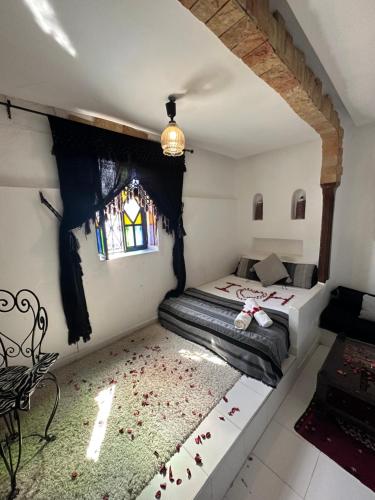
pixel 94 165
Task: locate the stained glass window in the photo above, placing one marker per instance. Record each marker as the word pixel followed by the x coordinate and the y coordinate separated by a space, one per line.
pixel 100 236
pixel 127 224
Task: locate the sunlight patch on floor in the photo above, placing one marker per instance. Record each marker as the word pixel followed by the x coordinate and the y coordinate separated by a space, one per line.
pixel 104 400
pixel 199 356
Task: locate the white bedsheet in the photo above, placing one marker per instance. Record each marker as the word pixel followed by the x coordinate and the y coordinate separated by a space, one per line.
pixel 276 297
pixel 302 306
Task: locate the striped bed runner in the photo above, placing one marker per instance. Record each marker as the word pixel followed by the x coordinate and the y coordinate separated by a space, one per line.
pixel 208 320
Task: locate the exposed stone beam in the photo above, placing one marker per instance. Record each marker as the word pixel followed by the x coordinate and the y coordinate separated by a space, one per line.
pixel 260 39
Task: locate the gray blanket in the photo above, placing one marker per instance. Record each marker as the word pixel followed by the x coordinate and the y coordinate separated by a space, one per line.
pixel 208 320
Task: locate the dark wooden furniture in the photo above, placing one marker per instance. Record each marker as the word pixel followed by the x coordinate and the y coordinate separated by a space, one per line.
pixel 346 383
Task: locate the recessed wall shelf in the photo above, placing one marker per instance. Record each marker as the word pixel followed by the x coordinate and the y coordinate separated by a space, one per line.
pixel 258 207
pixel 298 210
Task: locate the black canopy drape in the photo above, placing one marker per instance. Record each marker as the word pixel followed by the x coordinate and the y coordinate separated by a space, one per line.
pixel 94 165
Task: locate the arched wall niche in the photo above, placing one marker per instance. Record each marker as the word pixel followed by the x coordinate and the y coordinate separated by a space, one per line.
pixel 298 205
pixel 258 206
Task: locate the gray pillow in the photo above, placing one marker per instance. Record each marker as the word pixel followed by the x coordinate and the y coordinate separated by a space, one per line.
pixel 270 270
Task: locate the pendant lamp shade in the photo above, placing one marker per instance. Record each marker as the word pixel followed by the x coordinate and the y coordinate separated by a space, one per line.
pixel 172 138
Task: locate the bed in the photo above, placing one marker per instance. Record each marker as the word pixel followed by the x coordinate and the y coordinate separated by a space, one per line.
pixel 205 315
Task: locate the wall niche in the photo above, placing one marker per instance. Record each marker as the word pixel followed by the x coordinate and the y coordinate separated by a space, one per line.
pixel 299 204
pixel 258 207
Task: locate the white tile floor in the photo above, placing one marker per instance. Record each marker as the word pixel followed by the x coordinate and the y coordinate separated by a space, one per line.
pixel 223 454
pixel 284 466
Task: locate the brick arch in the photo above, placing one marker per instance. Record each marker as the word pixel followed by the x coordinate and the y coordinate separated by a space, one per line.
pixel 260 40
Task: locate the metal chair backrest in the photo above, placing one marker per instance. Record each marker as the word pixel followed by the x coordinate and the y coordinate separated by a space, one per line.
pixel 29 346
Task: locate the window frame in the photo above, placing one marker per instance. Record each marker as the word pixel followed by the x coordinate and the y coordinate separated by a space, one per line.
pixel 135 248
pixel 100 224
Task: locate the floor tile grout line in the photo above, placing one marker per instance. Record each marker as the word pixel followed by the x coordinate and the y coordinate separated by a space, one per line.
pixel 281 479
pixel 312 474
pixel 295 433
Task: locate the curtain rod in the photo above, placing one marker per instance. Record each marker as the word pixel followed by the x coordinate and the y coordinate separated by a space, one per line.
pixel 9 105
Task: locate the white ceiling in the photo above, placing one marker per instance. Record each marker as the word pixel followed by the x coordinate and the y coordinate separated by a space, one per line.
pixel 342 34
pixel 122 58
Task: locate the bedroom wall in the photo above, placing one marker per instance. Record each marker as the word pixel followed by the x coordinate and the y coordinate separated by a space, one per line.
pixel 353 244
pixel 121 294
pixel 276 175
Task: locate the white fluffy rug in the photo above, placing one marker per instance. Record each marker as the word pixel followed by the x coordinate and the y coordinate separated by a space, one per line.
pixel 123 411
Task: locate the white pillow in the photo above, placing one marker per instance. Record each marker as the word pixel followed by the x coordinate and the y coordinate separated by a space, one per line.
pixel 368 308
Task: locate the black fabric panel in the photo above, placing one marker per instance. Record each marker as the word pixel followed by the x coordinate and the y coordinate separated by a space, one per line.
pixel 342 321
pixel 341 315
pixel 314 279
pixel 85 140
pixel 72 291
pixel 336 318
pixel 348 298
pixel 94 165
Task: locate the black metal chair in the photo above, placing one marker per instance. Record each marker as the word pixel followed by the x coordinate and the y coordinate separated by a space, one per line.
pixel 18 382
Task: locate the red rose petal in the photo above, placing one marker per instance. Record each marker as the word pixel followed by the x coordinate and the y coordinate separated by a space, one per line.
pixel 74 475
pixel 225 399
pixel 198 459
pixel 208 435
pixel 188 473
pixel 158 494
pixel 170 474
pixel 222 418
pixel 178 447
pixel 163 470
pixel 163 486
pixel 178 482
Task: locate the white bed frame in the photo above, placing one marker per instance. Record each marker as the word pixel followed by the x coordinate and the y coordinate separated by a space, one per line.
pixel 304 319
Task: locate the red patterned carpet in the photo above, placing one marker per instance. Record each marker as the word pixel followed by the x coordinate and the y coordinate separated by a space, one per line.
pixel 343 443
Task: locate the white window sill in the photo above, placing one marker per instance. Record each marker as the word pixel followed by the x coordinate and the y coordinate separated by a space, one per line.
pixel 130 254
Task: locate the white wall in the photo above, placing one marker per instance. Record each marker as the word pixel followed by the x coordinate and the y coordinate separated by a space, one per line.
pixel 123 293
pixel 353 243
pixel 276 175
